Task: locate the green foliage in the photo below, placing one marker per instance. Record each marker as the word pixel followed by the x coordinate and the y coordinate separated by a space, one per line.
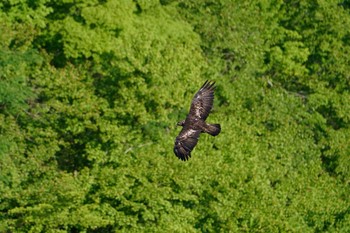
pixel 90 93
pixel 14 91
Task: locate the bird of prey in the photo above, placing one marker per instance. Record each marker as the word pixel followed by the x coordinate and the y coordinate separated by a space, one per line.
pixel 195 124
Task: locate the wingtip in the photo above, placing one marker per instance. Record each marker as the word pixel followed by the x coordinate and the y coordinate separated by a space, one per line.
pixel 208 84
pixel 205 83
pixel 183 155
pixel 185 158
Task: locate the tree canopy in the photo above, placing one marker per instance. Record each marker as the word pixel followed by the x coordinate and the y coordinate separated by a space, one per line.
pixel 91 91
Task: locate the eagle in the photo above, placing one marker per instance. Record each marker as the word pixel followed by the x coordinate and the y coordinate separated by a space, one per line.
pixel 195 124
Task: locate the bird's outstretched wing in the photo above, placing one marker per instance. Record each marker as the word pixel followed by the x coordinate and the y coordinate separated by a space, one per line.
pixel 185 143
pixel 202 102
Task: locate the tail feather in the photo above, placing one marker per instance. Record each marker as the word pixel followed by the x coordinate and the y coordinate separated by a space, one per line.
pixel 213 129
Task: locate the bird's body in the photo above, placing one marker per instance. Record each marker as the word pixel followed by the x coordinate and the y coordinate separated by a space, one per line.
pixel 195 124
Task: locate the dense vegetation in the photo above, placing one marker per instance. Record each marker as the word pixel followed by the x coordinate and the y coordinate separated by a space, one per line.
pixel 91 90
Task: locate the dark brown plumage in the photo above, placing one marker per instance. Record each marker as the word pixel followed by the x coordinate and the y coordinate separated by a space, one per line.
pixel 195 124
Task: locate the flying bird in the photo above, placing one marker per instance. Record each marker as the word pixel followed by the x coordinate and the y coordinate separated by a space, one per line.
pixel 195 124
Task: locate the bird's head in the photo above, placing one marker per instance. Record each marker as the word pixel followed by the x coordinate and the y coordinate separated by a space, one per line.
pixel 181 123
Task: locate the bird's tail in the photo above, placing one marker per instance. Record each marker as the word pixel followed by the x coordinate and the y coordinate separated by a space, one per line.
pixel 213 129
